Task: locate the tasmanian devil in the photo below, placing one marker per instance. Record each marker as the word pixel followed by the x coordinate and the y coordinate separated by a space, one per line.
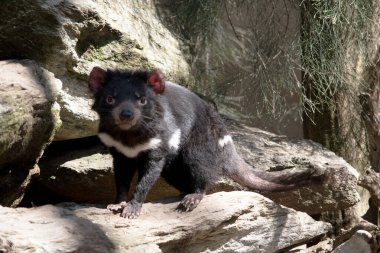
pixel 159 128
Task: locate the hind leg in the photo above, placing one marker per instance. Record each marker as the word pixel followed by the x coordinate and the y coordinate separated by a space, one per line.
pixel 198 181
pixel 200 164
pixel 190 202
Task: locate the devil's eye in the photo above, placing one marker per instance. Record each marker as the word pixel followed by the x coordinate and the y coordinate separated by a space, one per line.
pixel 110 100
pixel 142 101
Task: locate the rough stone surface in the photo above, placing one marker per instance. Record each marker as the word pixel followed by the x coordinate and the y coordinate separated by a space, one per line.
pixel 223 222
pixel 28 119
pixel 324 246
pixel 273 152
pixel 83 174
pixel 77 174
pixel 358 243
pixel 69 37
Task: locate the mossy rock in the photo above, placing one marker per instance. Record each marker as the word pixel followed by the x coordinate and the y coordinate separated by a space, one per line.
pixel 29 117
pixel 69 38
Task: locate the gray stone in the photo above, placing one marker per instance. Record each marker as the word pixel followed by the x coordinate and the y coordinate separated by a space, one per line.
pixel 358 243
pixel 86 175
pixel 28 119
pixel 223 222
pixel 70 37
pixel 77 174
pixel 272 152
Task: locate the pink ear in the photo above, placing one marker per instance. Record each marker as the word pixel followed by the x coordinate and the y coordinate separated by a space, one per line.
pixel 156 80
pixel 96 79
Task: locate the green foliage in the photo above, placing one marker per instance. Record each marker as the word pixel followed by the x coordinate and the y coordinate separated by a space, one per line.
pixel 242 52
pixel 335 47
pixel 333 34
pixel 254 50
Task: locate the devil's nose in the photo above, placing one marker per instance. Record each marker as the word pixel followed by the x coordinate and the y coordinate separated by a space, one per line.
pixel 125 114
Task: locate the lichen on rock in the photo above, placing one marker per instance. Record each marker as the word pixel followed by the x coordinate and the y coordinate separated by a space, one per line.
pixel 28 121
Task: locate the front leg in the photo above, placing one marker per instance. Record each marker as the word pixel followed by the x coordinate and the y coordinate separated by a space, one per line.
pixel 124 170
pixel 149 172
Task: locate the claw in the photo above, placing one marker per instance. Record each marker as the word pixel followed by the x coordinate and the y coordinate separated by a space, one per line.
pixel 116 208
pixel 189 202
pixel 130 210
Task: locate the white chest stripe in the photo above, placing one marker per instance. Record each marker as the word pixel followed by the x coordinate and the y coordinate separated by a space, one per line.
pixel 130 152
pixel 175 139
pixel 225 140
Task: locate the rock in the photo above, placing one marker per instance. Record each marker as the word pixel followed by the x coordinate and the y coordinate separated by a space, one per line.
pixel 272 152
pixel 76 174
pixel 83 174
pixel 28 119
pixel 68 38
pixel 324 246
pixel 223 222
pixel 358 243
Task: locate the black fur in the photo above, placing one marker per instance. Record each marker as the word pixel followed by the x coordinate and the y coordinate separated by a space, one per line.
pixel 194 165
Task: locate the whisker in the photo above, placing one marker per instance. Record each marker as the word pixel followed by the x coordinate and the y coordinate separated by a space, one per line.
pixel 146 117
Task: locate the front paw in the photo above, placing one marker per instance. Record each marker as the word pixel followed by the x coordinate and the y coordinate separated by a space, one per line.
pixel 117 208
pixel 130 210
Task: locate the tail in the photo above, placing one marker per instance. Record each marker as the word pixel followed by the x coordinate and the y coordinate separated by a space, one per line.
pixel 259 180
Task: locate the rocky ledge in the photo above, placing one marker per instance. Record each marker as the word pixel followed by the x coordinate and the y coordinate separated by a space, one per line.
pixel 223 222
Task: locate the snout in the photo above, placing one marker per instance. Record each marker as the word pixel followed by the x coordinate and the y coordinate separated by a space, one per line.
pixel 125 116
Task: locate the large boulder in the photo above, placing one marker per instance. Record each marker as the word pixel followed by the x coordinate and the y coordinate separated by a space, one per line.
pixel 360 242
pixel 271 152
pixel 223 222
pixel 68 38
pixel 85 174
pixel 28 119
